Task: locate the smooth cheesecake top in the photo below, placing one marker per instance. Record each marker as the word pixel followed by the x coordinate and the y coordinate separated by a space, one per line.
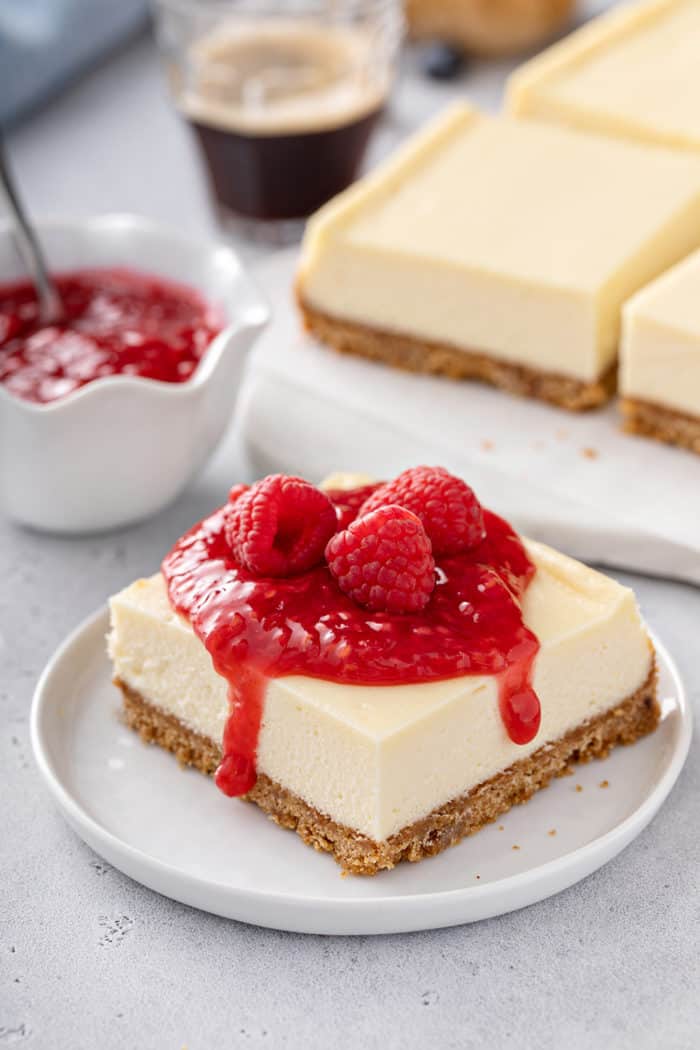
pixel 632 72
pixel 672 300
pixel 529 202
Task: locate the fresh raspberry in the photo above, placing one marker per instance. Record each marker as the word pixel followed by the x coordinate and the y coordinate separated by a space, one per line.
pixel 450 512
pixel 280 526
pixel 347 502
pixel 383 561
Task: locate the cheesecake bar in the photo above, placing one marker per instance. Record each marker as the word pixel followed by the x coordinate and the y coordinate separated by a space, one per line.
pixel 381 734
pixel 500 250
pixel 631 73
pixel 660 360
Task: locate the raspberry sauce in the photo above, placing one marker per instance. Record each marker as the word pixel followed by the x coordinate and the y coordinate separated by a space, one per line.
pixel 258 628
pixel 117 322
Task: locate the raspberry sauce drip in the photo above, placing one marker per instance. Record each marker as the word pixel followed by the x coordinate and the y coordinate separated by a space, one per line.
pixel 117 322
pixel 260 628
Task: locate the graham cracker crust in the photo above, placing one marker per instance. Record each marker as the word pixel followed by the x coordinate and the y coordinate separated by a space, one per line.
pixel 663 424
pixel 418 355
pixel 445 826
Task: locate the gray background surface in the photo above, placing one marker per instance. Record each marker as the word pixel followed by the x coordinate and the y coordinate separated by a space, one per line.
pixel 90 959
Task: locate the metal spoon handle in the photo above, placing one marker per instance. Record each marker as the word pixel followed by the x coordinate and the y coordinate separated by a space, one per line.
pixel 50 305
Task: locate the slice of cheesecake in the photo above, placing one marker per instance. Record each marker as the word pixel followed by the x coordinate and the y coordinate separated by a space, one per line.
pixel 631 73
pixel 660 362
pixel 400 769
pixel 500 250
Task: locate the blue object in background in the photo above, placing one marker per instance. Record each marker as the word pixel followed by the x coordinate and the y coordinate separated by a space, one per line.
pixel 44 43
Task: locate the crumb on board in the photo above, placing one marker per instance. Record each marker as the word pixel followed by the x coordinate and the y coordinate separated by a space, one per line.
pixel 501 828
pixel 552 832
pixel 604 784
pixel 515 847
pixel 579 787
pixel 486 445
pixel 590 453
pixel 478 876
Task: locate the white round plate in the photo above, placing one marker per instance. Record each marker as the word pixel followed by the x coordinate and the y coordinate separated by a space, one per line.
pixel 174 832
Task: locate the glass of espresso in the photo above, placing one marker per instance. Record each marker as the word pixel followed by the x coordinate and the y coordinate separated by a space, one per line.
pixel 282 97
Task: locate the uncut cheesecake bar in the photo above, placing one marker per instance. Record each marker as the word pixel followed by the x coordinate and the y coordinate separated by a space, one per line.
pixel 632 73
pixel 500 250
pixel 660 360
pixel 376 774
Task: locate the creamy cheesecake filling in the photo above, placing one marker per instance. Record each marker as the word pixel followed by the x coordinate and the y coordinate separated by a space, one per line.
pixel 375 759
pixel 632 72
pixel 660 358
pixel 514 239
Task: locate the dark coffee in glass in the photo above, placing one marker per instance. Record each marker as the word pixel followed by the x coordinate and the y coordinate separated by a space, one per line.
pixel 283 107
pixel 283 176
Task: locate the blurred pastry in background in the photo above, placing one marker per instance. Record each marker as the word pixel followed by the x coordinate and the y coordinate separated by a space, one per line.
pixel 488 27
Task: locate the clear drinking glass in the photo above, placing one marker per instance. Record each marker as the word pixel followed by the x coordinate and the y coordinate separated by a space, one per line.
pixel 282 97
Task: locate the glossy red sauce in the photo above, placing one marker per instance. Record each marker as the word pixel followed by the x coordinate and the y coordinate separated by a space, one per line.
pixel 117 322
pixel 261 628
